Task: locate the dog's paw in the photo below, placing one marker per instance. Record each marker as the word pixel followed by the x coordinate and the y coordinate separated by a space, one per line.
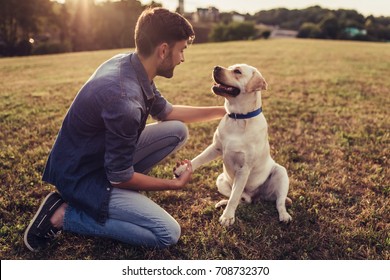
pixel 285 217
pixel 178 170
pixel 221 203
pixel 226 219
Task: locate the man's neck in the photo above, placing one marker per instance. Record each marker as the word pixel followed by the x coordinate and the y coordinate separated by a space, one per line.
pixel 149 65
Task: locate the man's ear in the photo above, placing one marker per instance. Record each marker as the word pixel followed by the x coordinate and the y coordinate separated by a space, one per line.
pixel 256 83
pixel 163 50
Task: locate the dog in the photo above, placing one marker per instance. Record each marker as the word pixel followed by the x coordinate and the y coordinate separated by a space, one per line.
pixel 249 172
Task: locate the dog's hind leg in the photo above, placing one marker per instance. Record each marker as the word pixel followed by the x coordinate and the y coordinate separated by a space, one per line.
pixel 221 203
pixel 244 198
pixel 223 185
pixel 224 188
pixel 279 184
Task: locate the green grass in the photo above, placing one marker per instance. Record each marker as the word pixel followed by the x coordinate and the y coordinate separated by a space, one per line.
pixel 327 107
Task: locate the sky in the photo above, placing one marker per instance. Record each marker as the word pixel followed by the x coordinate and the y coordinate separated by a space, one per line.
pixel 365 7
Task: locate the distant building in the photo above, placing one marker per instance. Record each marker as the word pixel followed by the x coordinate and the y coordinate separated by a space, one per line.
pixel 283 33
pixel 276 32
pixel 210 14
pixel 238 18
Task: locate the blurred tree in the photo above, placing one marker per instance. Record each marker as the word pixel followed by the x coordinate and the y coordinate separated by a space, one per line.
pixel 332 23
pixel 18 20
pixel 63 23
pixel 309 30
pixel 378 28
pixel 329 26
pixel 115 24
pixel 81 26
pixel 350 18
pixel 233 31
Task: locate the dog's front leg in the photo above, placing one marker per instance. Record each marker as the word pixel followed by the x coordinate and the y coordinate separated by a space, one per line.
pixel 240 179
pixel 209 154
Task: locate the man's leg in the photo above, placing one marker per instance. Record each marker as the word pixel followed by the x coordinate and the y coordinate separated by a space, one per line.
pixel 157 141
pixel 133 218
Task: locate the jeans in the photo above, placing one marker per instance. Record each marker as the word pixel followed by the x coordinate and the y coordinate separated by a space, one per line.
pixel 133 218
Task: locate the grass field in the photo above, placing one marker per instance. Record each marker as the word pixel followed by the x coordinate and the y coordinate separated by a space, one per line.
pixel 328 110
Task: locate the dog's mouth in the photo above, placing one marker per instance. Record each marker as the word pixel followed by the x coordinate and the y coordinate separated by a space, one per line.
pixel 220 88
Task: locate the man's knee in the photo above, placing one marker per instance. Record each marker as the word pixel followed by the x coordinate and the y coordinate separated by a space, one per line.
pixel 171 236
pixel 180 130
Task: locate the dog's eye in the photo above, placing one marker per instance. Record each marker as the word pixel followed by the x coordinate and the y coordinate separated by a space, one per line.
pixel 237 71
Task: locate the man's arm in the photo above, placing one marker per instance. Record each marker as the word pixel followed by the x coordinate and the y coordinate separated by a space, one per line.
pixel 141 182
pixel 190 114
pixel 185 114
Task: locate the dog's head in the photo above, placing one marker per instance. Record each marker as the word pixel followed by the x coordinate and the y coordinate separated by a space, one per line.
pixel 237 79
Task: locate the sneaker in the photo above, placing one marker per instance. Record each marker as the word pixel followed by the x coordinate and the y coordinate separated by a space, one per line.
pixel 40 230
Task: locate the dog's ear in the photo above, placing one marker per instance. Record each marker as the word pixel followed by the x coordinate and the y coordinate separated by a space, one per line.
pixel 256 83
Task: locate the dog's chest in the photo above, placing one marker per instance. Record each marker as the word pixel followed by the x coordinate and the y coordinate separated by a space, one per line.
pixel 247 136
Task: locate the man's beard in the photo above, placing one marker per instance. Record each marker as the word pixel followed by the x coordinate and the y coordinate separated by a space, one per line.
pixel 166 68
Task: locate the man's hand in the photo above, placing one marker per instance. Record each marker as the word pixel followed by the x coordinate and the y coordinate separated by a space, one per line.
pixel 184 176
pixel 142 182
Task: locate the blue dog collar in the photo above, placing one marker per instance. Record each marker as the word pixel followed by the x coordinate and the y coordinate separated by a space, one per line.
pixel 246 116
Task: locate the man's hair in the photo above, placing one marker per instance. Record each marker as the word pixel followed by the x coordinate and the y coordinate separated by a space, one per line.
pixel 158 25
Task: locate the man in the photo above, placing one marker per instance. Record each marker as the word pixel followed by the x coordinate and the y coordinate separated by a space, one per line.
pixel 104 150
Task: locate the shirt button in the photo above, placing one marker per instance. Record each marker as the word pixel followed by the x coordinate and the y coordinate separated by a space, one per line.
pixel 108 189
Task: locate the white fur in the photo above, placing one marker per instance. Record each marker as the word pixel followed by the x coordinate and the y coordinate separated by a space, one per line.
pixel 179 170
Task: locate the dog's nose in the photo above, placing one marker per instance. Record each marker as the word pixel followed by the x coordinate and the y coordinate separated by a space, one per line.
pixel 217 69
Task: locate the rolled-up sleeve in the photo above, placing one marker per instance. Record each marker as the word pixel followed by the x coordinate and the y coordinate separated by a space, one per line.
pixel 161 107
pixel 122 120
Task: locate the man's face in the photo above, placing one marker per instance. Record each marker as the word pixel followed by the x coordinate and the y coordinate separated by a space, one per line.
pixel 174 57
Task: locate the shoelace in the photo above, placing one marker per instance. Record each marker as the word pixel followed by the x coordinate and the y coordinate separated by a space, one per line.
pixel 52 234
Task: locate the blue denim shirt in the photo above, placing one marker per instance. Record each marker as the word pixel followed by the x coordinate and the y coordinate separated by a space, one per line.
pixel 98 137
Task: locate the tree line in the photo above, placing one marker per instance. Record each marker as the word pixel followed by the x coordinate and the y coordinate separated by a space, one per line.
pixel 44 26
pixel 317 22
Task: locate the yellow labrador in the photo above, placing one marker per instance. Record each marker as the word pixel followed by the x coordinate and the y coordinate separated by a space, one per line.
pixel 249 172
